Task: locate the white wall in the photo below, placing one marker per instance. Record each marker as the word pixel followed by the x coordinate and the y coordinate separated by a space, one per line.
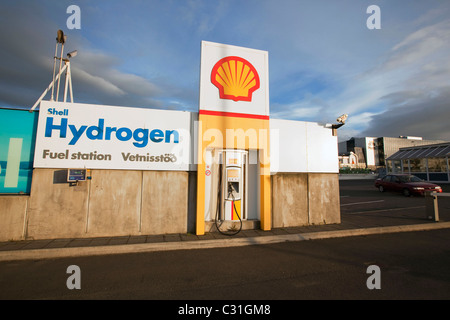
pixel 298 146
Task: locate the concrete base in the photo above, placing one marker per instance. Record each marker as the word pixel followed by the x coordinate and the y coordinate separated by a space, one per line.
pixel 210 226
pixel 290 204
pixel 324 199
pixel 13 210
pixel 112 203
pixel 121 203
pixel 56 209
pixel 300 199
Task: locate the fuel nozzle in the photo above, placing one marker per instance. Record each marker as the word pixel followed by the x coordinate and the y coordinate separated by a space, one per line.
pixel 231 190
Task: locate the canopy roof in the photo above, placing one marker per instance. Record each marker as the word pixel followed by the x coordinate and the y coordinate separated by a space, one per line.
pixel 440 150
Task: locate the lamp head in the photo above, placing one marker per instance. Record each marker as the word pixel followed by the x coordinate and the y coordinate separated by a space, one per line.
pixel 72 54
pixel 342 118
pixel 60 37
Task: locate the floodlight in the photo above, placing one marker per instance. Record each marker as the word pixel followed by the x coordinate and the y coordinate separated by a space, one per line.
pixel 341 121
pixel 72 54
pixel 342 118
pixel 60 38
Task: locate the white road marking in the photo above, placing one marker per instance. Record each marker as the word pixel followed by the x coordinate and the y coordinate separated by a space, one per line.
pixel 384 210
pixel 354 203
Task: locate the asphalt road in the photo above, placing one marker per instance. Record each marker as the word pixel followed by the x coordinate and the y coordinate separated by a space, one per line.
pixel 413 265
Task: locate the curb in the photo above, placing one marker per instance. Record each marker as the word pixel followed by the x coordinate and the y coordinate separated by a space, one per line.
pixel 38 254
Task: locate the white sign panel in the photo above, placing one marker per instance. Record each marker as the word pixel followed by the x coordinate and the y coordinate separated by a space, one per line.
pixel 74 135
pixel 234 79
pixel 298 146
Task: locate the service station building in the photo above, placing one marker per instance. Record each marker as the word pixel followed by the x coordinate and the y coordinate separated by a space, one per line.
pixel 82 170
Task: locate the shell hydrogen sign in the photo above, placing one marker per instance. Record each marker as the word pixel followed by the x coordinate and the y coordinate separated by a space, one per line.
pixel 73 135
pixel 236 78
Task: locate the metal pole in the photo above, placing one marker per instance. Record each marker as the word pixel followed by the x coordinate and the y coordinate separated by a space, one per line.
pixel 54 68
pixel 448 171
pixel 432 207
pixel 51 85
pixel 67 80
pixel 70 82
pixel 60 65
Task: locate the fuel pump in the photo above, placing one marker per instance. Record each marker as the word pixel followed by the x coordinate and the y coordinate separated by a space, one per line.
pixel 232 197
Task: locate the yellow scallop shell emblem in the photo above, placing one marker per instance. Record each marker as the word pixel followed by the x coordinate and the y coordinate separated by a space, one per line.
pixel 236 78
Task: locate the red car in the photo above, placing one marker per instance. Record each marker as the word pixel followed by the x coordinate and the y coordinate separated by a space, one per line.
pixel 405 183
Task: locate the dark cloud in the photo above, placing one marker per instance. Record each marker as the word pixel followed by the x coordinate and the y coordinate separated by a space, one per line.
pixel 408 93
pixel 426 116
pixel 28 45
pixel 26 55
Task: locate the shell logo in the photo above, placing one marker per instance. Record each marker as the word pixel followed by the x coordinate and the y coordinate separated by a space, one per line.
pixel 236 78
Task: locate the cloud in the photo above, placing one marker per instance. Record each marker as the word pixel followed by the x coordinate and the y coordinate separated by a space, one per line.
pixel 27 64
pixel 407 93
pixel 203 16
pixel 294 112
pixel 96 84
pixel 365 73
pixel 426 116
pixel 97 76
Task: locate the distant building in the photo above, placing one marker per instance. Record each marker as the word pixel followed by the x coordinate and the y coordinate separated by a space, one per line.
pixel 348 160
pixel 376 150
pixel 428 162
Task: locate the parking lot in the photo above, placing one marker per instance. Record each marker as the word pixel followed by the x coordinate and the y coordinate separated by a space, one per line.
pixel 359 198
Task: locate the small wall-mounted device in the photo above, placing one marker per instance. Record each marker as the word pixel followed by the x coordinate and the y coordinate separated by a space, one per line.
pixel 75 175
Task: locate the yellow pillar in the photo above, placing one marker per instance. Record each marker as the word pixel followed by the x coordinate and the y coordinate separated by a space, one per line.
pixel 200 219
pixel 265 198
pixel 200 225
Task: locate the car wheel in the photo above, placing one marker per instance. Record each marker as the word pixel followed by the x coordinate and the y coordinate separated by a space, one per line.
pixel 406 192
pixel 381 188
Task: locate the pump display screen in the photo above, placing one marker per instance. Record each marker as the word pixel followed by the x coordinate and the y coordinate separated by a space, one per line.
pixel 76 175
pixel 233 175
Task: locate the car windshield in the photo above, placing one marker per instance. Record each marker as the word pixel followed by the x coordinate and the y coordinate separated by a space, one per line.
pixel 409 179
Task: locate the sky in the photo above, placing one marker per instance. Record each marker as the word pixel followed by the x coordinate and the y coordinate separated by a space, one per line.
pixel 324 61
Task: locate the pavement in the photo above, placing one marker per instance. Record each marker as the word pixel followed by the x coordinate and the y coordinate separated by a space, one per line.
pixel 351 225
pixel 363 221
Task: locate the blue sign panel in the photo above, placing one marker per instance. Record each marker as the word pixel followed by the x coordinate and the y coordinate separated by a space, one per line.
pixel 17 141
